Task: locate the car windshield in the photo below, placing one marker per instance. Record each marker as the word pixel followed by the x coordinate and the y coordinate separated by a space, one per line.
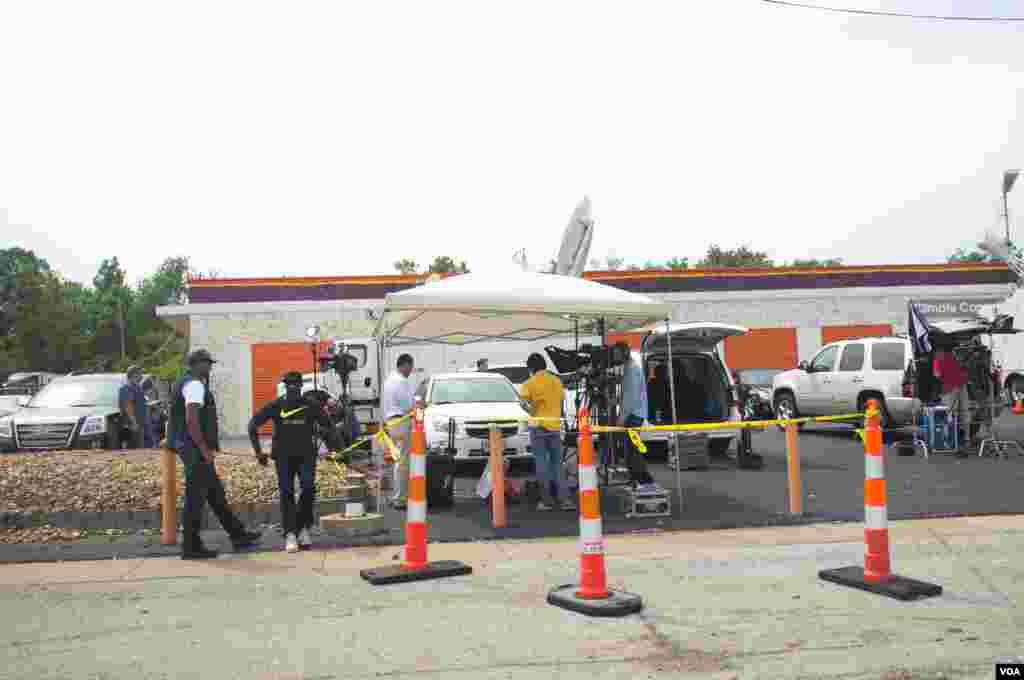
pixel 758 376
pixel 517 374
pixel 68 393
pixel 478 391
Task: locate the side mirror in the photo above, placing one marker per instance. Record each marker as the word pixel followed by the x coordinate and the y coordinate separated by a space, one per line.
pixel 367 382
pixel 804 366
pixel 23 401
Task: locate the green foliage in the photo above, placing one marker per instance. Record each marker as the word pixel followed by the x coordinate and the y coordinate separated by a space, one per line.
pixel 442 264
pixel 742 257
pixel 962 255
pixel 678 263
pixel 833 262
pixel 406 266
pixel 47 323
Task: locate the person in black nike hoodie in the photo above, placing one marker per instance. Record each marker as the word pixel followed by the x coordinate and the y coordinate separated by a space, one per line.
pixel 294 453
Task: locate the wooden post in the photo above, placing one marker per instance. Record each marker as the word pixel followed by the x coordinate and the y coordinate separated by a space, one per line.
pixel 169 499
pixel 793 465
pixel 497 465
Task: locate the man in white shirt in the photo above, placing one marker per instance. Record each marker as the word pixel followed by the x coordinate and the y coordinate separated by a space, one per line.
pixel 396 400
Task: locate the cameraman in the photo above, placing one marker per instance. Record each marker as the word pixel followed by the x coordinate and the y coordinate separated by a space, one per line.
pixel 545 393
pixel 634 414
pixel 294 455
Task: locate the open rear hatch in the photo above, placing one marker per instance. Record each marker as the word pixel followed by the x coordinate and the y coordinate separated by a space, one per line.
pixel 700 336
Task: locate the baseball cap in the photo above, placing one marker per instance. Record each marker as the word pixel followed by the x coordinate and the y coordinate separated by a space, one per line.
pixel 200 355
pixel 292 377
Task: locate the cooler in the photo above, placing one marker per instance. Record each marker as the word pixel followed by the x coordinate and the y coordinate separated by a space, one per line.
pixel 938 429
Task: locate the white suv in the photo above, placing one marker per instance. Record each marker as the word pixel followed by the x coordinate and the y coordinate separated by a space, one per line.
pixel 843 375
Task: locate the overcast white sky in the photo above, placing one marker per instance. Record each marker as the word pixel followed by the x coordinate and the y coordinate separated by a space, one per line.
pixel 326 138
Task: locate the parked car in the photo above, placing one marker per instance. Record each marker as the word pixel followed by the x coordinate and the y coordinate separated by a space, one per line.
pixel 704 386
pixel 473 400
pixel 26 383
pixel 843 375
pixel 755 387
pixel 79 411
pixel 9 404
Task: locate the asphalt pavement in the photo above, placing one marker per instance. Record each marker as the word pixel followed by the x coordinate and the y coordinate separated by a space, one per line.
pixel 722 496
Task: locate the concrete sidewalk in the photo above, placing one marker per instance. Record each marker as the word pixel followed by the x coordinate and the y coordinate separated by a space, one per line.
pixel 724 604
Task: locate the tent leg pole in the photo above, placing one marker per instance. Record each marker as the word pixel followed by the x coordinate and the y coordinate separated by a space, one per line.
pixel 672 392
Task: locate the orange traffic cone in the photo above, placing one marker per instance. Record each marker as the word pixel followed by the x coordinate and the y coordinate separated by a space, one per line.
pixel 415 567
pixel 592 596
pixel 876 576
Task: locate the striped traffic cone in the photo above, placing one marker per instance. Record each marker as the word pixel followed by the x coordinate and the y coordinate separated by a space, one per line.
pixel 415 567
pixel 876 576
pixel 592 596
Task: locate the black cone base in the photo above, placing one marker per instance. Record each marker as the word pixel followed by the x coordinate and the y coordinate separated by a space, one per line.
pixel 398 574
pixel 616 604
pixel 897 587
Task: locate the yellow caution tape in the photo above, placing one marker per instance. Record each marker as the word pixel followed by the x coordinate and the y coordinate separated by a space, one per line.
pixel 637 442
pixel 394 451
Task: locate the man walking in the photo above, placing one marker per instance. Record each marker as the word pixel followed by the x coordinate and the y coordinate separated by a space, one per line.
pixel 194 435
pixel 132 402
pixel 545 392
pixel 396 400
pixel 294 454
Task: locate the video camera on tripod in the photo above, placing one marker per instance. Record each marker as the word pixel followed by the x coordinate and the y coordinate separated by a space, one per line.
pixel 593 365
pixel 341 362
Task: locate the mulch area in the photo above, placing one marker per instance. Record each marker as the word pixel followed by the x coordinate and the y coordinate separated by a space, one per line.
pixel 112 481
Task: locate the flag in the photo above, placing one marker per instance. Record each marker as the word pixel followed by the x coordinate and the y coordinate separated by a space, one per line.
pixel 917 326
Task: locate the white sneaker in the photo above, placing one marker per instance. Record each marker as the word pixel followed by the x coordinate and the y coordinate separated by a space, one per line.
pixel 290 544
pixel 305 541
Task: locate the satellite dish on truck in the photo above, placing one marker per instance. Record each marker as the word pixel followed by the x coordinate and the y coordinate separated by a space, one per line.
pixel 572 256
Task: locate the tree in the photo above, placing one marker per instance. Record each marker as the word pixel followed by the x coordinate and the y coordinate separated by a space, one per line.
pixel 444 264
pixel 47 330
pixel 833 262
pixel 962 255
pixel 111 303
pixel 15 261
pixel 677 263
pixel 406 266
pixel 742 257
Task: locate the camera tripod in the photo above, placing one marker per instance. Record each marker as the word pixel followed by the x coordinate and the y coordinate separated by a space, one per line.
pixel 998 446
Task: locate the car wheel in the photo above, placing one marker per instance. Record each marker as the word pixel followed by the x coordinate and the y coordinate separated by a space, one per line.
pixel 111 441
pixel 785 409
pixel 1016 389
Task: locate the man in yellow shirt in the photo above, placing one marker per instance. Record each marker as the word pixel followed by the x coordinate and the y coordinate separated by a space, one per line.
pixel 544 392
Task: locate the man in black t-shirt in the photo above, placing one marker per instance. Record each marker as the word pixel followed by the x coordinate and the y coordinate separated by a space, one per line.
pixel 294 453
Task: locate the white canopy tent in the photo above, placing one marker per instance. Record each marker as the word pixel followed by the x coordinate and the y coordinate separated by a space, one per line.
pixel 509 305
pixel 514 305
